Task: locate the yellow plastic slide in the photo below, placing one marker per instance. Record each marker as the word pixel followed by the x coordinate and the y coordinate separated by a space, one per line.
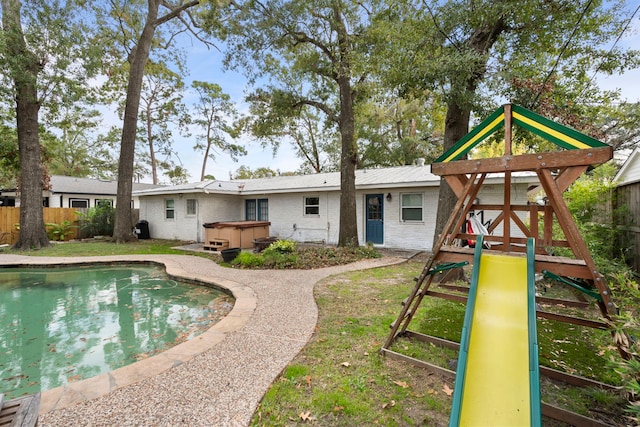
pixel 496 372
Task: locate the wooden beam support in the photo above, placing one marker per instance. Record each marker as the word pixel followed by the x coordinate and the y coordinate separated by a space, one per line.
pixel 457 183
pixel 568 176
pixel 526 162
pixel 446 373
pixel 508 124
pixel 575 239
pixel 506 231
pixel 569 417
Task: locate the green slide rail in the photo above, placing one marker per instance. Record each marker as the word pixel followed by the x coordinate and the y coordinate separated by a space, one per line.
pixel 533 365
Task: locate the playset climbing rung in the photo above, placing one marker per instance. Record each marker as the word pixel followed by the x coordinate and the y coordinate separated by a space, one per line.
pixel 581 286
pixel 447 266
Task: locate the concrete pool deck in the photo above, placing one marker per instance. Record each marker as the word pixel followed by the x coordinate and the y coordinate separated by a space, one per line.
pixel 219 377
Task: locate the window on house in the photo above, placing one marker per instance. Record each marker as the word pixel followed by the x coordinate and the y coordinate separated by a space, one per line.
pixel 169 209
pixel 312 205
pixel 263 210
pixel 79 203
pixel 256 210
pixel 411 207
pixel 191 207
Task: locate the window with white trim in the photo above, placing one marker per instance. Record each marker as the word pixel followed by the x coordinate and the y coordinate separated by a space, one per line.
pixel 78 203
pixel 169 209
pixel 411 207
pixel 312 205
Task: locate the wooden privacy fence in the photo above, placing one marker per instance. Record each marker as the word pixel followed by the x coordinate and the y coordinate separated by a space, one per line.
pixel 628 199
pixel 10 218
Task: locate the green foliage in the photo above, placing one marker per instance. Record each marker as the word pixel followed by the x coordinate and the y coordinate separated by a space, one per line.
pixel 395 131
pixel 590 201
pixel 59 232
pixel 213 114
pixel 630 372
pixel 281 246
pixel 248 260
pixel 589 195
pixel 106 247
pixel 245 172
pixel 280 260
pixel 97 221
pixel 9 160
pixel 285 254
pixel 626 331
pixel 339 379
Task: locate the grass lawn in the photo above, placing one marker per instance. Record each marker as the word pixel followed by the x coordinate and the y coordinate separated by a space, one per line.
pixel 98 247
pixel 340 379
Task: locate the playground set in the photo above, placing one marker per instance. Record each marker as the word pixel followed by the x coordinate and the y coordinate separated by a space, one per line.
pixel 497 380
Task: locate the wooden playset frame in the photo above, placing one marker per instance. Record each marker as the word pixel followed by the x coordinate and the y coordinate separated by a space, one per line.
pixel 556 171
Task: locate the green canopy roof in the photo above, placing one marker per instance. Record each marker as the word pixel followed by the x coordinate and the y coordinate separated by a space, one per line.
pixel 560 135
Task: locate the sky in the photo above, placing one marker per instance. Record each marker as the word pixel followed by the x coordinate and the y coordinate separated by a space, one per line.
pixel 206 65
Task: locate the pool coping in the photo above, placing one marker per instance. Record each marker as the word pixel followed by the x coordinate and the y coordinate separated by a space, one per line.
pixel 75 392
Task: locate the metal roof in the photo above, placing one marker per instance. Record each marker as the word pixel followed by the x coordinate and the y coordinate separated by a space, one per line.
pixel 73 185
pixel 395 177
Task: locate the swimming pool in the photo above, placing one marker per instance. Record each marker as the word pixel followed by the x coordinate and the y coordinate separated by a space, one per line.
pixel 61 325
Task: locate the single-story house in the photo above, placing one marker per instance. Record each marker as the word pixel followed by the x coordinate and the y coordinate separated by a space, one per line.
pixel 396 207
pixel 73 192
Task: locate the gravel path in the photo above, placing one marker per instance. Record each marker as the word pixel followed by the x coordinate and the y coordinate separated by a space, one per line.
pixel 221 385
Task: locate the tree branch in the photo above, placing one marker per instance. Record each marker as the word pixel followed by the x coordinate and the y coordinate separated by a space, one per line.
pixel 174 11
pixel 320 106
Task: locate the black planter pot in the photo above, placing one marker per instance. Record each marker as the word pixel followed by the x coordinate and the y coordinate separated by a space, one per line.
pixel 230 254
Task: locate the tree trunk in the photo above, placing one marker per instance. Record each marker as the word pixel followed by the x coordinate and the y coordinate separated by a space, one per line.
pixel 457 119
pixel 122 231
pixel 24 72
pixel 456 126
pixel 348 233
pixel 152 151
pixel 207 150
pixel 479 44
pixel 123 226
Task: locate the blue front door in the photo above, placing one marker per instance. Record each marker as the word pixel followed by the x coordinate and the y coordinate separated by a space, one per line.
pixel 375 218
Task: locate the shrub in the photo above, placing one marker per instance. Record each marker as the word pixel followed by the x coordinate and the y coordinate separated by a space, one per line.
pixel 281 246
pixel 97 221
pixel 59 231
pixel 248 260
pixel 286 255
pixel 277 259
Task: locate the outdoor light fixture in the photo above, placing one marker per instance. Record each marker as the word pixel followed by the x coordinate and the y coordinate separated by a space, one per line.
pixel 389 197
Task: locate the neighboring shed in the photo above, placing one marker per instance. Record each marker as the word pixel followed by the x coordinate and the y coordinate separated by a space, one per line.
pixel 396 207
pixel 627 200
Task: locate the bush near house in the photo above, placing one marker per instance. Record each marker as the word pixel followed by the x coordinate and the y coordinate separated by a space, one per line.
pixel 286 254
pixel 97 221
pixel 60 232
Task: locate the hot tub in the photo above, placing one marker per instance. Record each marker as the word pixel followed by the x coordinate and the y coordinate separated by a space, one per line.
pixel 234 234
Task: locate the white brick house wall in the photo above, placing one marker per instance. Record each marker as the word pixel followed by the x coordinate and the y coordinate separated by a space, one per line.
pixel 187 227
pixel 226 201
